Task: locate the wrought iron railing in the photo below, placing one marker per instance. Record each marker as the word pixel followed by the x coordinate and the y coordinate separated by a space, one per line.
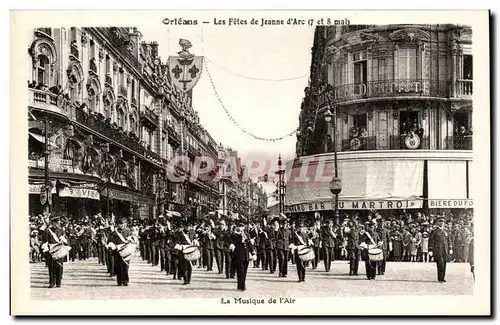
pixel 102 127
pixel 392 88
pixel 359 144
pixel 459 142
pixel 74 51
pixel 464 88
pixel 408 142
pixel 150 115
pixel 122 90
pixel 109 80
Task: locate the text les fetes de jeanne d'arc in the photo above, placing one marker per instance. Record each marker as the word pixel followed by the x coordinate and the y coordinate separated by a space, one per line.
pixel 258 22
pixel 256 301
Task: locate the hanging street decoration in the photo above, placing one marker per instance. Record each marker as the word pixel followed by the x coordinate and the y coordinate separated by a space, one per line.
pixel 185 69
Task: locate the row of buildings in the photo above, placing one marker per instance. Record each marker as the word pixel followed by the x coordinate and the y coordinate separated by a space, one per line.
pixel 399 98
pixel 102 103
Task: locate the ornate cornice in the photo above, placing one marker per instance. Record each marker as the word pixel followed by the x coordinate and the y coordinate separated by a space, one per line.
pixel 409 36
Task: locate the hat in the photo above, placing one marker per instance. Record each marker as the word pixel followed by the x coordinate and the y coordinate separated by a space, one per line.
pixel 440 218
pixel 55 218
pixel 122 221
pixel 275 219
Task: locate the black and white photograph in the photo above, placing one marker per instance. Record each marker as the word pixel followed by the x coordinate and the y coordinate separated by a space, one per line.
pixel 250 163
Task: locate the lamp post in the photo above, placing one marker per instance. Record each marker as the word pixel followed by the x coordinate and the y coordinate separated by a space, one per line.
pixel 48 189
pixel 335 183
pixel 280 185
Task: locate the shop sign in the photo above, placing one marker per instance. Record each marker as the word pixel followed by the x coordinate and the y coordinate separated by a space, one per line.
pixel 447 204
pixel 84 193
pixel 37 189
pixel 55 164
pixel 124 196
pixel 356 205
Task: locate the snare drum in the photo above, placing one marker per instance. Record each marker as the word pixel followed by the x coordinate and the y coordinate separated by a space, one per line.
pixel 375 254
pixel 126 251
pixel 59 251
pixel 306 253
pixel 191 253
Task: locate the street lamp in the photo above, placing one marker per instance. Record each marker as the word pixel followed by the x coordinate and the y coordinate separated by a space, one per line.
pixel 280 185
pixel 335 183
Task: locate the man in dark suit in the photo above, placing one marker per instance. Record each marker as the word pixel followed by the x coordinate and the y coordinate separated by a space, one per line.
pixel 228 259
pixel 328 243
pixel 162 242
pixel 368 238
pixel 439 247
pixel 243 252
pixel 263 247
pixel 384 238
pixel 282 248
pixel 185 268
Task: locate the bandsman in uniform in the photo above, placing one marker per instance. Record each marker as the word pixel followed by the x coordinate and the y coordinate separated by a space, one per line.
pixel 282 248
pixel 119 236
pixel 53 234
pixel 155 242
pixel 228 259
pixel 262 247
pixel 162 243
pixel 327 243
pixel 369 237
pixel 440 248
pixel 300 237
pixel 243 253
pixel 271 244
pixel 352 232
pixel 219 246
pixel 209 245
pixel 316 240
pixel 185 268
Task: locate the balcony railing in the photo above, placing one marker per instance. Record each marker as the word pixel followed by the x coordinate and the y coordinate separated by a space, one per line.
pixel 149 115
pixel 122 91
pixel 392 88
pixel 464 88
pixel 459 142
pixel 46 100
pixel 359 143
pixel 126 139
pixel 109 80
pixel 407 142
pixel 74 51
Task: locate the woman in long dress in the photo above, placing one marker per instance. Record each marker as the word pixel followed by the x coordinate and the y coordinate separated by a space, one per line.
pixel 397 245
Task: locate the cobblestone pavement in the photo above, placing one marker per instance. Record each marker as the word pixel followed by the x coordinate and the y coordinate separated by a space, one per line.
pixel 89 280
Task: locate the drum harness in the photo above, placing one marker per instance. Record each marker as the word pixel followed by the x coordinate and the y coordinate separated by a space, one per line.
pixel 373 242
pixel 57 240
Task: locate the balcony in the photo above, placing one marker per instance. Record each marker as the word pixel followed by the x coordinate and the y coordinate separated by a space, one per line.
pixel 459 142
pixel 150 117
pixel 359 143
pixel 404 142
pixel 122 43
pixel 392 88
pixel 122 91
pixel 46 100
pixel 464 88
pixel 104 128
pixel 108 80
pixel 173 134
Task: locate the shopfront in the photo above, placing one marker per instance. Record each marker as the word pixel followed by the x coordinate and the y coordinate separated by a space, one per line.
pixel 126 204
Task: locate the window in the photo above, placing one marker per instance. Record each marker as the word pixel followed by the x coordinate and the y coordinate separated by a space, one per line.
pixel 133 124
pixel 92 49
pixel 120 119
pixel 93 105
pixel 133 89
pixel 467 67
pixel 360 72
pixel 107 108
pixel 42 70
pixel 407 63
pixel 108 65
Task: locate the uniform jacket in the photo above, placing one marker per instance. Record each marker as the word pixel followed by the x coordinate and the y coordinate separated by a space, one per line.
pixel 327 239
pixel 242 249
pixel 115 239
pixel 270 239
pixel 295 238
pixel 219 240
pixel 439 242
pixel 365 239
pixel 284 238
pixel 47 236
pixel 263 238
pixel 353 239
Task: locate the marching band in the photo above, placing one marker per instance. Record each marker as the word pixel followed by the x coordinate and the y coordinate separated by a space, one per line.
pixel 177 246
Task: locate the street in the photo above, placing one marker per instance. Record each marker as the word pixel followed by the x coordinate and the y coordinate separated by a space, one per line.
pixel 89 280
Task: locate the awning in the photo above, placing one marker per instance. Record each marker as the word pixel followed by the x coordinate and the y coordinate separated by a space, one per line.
pixel 447 180
pixel 41 139
pixel 78 192
pixel 327 205
pixel 171 214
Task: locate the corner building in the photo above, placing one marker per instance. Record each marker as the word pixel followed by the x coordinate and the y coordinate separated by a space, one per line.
pixel 101 102
pixel 403 101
